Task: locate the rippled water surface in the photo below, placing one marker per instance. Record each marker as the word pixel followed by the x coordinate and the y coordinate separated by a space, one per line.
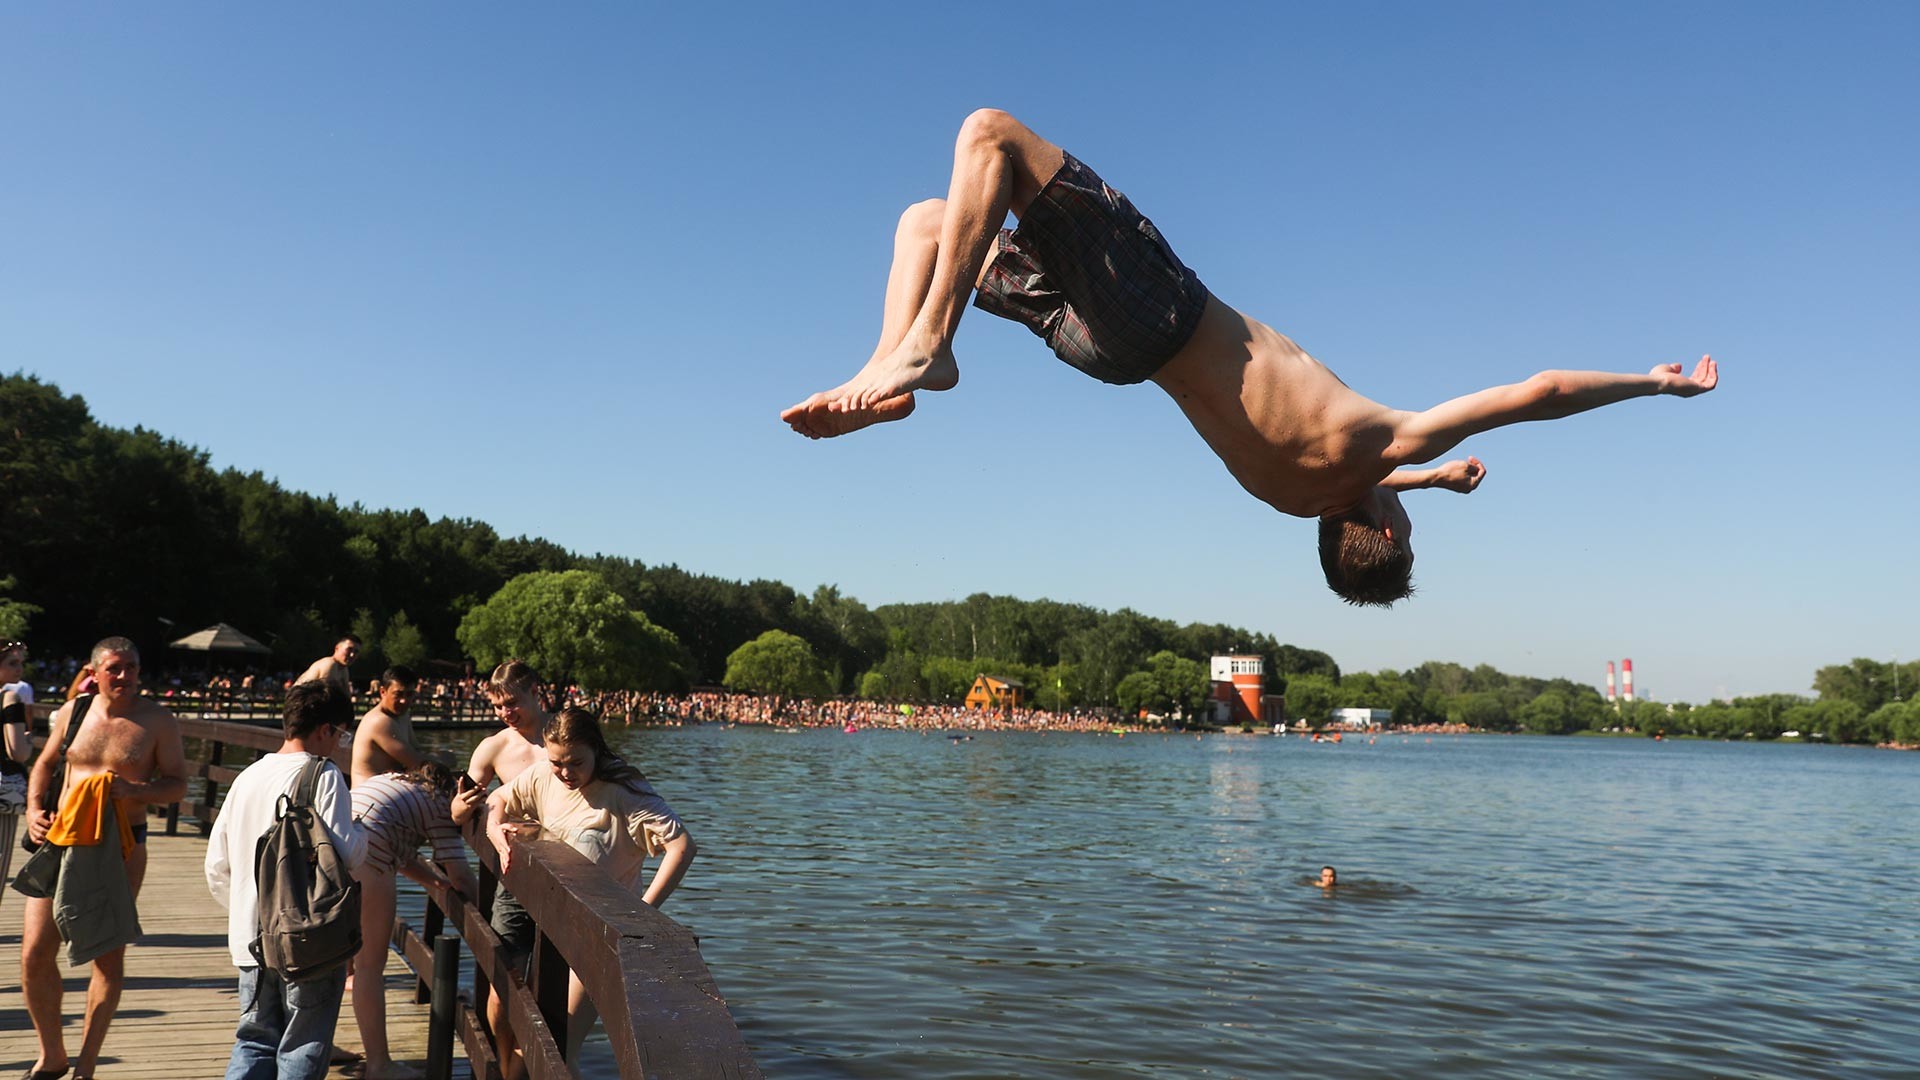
pixel 889 904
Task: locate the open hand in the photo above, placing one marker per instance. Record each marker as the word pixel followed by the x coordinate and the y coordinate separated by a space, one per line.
pixel 1460 476
pixel 1706 375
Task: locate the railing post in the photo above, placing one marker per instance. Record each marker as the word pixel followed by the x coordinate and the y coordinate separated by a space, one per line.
pixel 431 927
pixel 482 986
pixel 550 986
pixel 446 1005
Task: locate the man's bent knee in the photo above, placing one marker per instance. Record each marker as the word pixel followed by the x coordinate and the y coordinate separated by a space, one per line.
pixel 989 127
pixel 922 219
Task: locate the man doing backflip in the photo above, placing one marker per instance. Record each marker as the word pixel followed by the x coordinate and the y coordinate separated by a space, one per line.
pixel 1090 275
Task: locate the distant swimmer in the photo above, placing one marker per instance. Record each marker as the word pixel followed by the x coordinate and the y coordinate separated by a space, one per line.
pixel 1093 277
pixel 1328 878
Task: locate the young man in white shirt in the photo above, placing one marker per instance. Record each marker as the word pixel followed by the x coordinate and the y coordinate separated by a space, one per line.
pixel 286 1028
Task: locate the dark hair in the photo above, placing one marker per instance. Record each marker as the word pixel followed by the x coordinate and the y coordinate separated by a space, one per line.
pixel 113 645
pixel 399 673
pixel 1361 564
pixel 512 676
pixel 433 776
pixel 348 637
pixel 576 726
pixel 312 705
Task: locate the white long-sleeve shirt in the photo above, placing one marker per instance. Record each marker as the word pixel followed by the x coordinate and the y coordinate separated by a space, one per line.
pixel 245 817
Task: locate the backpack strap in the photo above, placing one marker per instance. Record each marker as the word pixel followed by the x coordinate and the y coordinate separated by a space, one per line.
pixel 81 706
pixel 307 788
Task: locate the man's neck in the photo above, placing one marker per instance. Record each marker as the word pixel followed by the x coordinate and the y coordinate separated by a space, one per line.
pixel 533 736
pixel 300 746
pixel 120 706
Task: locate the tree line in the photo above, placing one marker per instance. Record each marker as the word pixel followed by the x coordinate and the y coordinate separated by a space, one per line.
pixel 128 531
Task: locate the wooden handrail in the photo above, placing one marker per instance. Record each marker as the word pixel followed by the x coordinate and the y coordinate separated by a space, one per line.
pixel 672 1020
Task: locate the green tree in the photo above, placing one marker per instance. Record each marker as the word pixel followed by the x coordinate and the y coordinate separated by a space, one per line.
pixel 1312 698
pixel 15 615
pixel 403 642
pixel 1549 713
pixel 1480 709
pixel 777 662
pixel 364 627
pixel 571 625
pixel 948 678
pixel 1169 685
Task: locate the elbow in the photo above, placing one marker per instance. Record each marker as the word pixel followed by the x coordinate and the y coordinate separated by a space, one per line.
pixel 1544 388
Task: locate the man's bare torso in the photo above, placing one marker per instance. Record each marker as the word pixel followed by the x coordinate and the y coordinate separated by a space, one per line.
pixel 504 754
pixel 370 759
pixel 327 669
pixel 1293 434
pixel 127 745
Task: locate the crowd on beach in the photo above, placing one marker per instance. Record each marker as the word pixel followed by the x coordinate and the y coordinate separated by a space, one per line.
pixel 717 706
pixel 464 697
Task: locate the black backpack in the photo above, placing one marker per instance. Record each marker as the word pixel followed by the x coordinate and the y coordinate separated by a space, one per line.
pixel 309 904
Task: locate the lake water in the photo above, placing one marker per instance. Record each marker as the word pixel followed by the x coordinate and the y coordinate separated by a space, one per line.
pixel 891 904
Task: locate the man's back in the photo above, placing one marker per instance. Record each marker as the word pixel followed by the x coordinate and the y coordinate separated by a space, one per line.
pixel 247 813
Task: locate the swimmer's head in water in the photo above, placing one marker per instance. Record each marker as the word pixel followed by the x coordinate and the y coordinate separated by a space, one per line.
pixel 1367 552
pixel 1328 877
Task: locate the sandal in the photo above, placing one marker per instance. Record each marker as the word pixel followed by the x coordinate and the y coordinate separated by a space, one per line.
pixel 47 1074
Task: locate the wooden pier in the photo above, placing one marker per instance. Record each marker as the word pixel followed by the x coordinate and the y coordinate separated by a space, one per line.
pixel 180 1004
pixel 662 1012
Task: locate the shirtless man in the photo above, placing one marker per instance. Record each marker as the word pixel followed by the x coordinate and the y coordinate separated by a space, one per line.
pixel 384 740
pixel 1087 273
pixel 335 668
pixel 514 691
pixel 139 743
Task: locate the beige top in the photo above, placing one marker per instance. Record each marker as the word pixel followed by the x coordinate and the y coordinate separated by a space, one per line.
pixel 612 824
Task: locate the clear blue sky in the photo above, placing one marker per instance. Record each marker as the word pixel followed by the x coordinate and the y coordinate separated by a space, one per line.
pixel 559 270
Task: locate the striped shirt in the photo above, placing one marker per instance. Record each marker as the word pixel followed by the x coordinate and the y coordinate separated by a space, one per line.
pixel 398 815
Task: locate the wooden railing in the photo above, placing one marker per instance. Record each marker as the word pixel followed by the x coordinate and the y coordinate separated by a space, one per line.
pixel 663 1013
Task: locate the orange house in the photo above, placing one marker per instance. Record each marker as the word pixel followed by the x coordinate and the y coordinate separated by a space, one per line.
pixel 994 692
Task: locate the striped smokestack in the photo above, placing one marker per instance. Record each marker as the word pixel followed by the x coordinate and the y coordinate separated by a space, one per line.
pixel 1626 678
pixel 1609 682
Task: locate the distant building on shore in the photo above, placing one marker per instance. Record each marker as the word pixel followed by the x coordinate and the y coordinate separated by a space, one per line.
pixel 995 692
pixel 1239 693
pixel 1362 719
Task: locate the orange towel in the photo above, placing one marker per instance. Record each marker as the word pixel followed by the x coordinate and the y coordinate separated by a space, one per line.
pixel 82 818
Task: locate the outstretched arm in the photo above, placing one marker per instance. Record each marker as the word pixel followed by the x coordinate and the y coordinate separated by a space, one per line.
pixel 1550 395
pixel 1460 476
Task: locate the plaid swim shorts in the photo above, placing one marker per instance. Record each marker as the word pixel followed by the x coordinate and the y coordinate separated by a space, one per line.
pixel 1094 279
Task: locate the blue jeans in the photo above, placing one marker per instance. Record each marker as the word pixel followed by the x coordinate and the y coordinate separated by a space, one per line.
pixel 286 1028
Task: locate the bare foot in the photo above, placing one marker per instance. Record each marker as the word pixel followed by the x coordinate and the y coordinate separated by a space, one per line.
pixel 821 417
pixel 873 396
